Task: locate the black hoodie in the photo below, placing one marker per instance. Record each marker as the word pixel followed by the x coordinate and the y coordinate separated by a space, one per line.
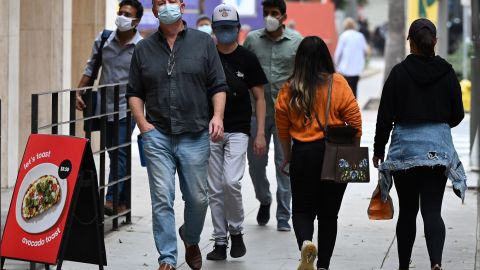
pixel 418 90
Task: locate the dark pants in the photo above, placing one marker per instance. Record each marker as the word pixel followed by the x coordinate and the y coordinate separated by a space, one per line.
pixel 420 187
pixel 352 82
pixel 122 158
pixel 313 198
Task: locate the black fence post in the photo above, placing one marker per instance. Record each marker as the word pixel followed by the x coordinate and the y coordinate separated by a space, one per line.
pixel 128 184
pixel 54 113
pixel 103 144
pixel 34 115
pixel 115 156
pixel 73 102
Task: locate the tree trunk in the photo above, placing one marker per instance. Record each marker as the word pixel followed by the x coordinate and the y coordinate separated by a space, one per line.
pixel 395 45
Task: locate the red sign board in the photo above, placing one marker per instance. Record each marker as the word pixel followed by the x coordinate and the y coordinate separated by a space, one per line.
pixel 42 197
pixel 314 19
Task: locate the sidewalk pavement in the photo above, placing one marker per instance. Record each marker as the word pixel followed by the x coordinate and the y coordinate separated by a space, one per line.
pixel 361 243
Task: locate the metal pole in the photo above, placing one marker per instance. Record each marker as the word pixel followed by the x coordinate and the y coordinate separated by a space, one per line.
pixel 352 9
pixel 466 39
pixel 442 28
pixel 475 99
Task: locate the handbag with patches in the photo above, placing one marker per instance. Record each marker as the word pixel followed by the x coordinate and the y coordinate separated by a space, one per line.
pixel 344 160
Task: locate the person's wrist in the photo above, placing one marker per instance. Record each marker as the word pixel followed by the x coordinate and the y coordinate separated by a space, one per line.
pixel 144 126
pixel 218 115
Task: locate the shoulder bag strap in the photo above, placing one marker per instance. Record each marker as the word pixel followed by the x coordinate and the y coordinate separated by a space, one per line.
pixel 98 59
pixel 329 97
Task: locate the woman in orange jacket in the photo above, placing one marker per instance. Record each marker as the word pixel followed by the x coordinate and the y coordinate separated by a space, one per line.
pixel 300 107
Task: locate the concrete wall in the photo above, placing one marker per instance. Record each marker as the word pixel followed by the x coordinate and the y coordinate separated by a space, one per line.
pixel 88 21
pixel 43 46
pixel 9 91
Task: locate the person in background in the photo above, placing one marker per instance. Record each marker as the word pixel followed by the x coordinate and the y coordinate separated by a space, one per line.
pixel 275 47
pixel 116 56
pixel 173 75
pixel 204 24
pixel 350 54
pixel 300 116
pixel 421 100
pixel 363 27
pixel 228 156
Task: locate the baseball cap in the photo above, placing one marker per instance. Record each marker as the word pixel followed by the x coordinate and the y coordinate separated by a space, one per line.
pixel 420 24
pixel 225 14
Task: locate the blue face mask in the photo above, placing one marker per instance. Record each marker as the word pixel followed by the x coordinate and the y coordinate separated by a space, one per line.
pixel 169 13
pixel 226 36
pixel 206 28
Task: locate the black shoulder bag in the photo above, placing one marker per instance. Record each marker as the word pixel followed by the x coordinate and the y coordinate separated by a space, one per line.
pixel 344 161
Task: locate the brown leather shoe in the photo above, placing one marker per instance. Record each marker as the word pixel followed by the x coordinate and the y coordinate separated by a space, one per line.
pixel 193 256
pixel 122 208
pixel 165 266
pixel 108 208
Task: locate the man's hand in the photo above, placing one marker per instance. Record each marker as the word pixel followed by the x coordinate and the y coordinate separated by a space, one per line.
pixel 79 103
pixel 285 167
pixel 145 127
pixel 376 161
pixel 259 146
pixel 215 129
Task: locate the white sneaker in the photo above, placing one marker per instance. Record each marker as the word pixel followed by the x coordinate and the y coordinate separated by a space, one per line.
pixel 309 253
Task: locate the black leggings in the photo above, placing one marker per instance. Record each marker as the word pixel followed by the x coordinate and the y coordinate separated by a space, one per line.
pixel 313 198
pixel 420 187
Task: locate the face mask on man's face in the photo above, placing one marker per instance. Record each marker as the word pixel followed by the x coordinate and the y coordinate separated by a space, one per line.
pixel 205 28
pixel 226 36
pixel 169 13
pixel 123 23
pixel 271 23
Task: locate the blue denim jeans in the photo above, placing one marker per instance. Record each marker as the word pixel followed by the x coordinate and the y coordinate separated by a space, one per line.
pixel 185 154
pixel 258 173
pixel 122 158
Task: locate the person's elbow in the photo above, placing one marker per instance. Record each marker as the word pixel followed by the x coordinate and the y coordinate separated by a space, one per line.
pixel 457 119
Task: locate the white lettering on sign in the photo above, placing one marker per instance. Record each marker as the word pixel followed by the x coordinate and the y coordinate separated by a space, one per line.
pixel 40 242
pixel 36 157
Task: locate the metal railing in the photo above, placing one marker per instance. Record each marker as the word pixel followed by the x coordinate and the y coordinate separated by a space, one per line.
pixel 53 128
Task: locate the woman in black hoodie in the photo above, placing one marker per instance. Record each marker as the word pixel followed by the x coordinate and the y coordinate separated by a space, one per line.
pixel 421 101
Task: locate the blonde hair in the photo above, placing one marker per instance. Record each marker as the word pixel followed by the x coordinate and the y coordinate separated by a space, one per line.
pixel 349 24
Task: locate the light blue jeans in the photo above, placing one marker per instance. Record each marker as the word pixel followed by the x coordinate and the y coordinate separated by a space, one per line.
pixel 186 154
pixel 257 169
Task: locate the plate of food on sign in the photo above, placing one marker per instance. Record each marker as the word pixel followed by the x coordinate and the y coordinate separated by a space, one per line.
pixel 41 198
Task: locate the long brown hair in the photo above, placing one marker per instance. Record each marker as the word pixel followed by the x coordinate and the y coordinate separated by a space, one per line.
pixel 313 65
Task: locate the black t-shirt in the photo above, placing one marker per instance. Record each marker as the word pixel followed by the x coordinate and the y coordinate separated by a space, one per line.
pixel 243 71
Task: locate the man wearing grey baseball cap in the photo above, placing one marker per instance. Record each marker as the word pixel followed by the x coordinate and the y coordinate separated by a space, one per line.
pixel 228 156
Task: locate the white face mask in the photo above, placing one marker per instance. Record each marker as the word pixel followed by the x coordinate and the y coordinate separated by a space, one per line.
pixel 123 23
pixel 271 23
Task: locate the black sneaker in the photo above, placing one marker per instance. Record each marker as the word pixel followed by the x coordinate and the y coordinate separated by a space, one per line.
pixel 219 253
pixel 263 215
pixel 238 247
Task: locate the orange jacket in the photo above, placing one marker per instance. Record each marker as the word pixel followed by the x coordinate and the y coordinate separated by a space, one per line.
pixel 343 109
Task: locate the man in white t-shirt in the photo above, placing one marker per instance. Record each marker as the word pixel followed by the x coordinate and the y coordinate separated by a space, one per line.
pixel 350 54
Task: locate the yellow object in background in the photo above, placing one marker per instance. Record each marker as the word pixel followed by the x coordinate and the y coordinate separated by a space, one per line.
pixel 422 9
pixel 466 86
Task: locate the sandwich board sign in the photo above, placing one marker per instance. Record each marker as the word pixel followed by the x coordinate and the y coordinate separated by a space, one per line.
pixel 55 205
